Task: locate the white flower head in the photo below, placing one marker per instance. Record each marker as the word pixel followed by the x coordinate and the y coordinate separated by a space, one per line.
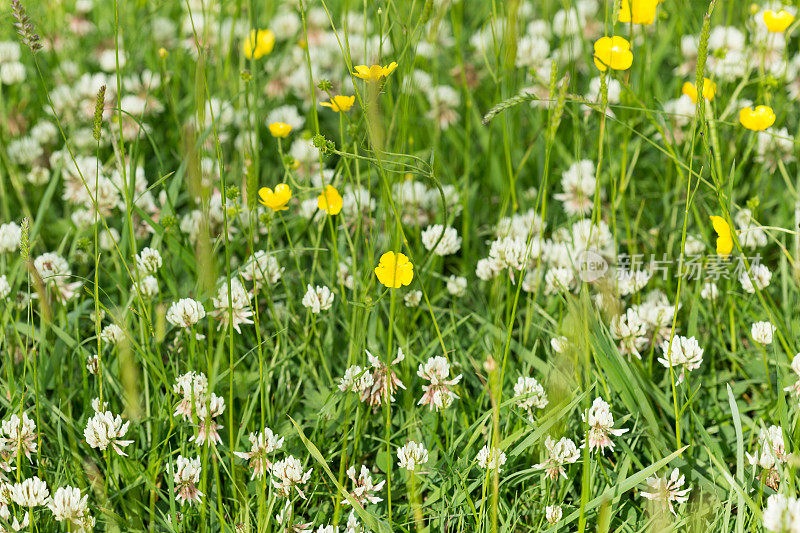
pixel 148 261
pixel 553 513
pixel 411 455
pixel 186 476
pixel 9 237
pixel 667 490
pixel 630 330
pixel 104 429
pixel 261 448
pixel 684 353
pixel 559 453
pixel 490 458
pixel 529 394
pixel 288 473
pixel 601 424
pixel 318 299
pixel 447 238
pixel 68 505
pixel 185 313
pixel 761 276
pixel 364 488
pixel 31 492
pixel 762 332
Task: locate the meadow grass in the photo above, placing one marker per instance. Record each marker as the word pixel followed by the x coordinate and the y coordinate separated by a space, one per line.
pixel 426 346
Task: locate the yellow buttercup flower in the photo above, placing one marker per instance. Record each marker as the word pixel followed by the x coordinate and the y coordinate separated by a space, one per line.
pixel 394 270
pixel 375 72
pixel 724 236
pixel 758 119
pixel 259 44
pixel 638 11
pixel 612 52
pixel 275 199
pixel 778 21
pixel 340 103
pixel 279 129
pixel 330 200
pixel 709 90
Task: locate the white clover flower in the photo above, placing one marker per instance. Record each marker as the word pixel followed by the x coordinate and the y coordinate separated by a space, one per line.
pixel 412 298
pixel 529 394
pixel 684 353
pixel 630 330
pixel 449 244
pixel 5 288
pixel 31 492
pixel 148 287
pixel 490 458
pixel 15 524
pixel 667 490
pixel 559 344
pixel 632 281
pixel 520 226
pixel 595 236
pixel 185 313
pixel 508 253
pixel 457 286
pixel 761 278
pixel 112 334
pixel 795 388
pixel 363 487
pixel 318 299
pixel 774 147
pixel 234 309
pixel 443 100
pixel 438 393
pixel 751 233
pixel 54 271
pixel 762 332
pixel 148 261
pixel 559 453
pixel 579 185
pixel 9 237
pixel 769 456
pixel 559 280
pixel 186 476
pixel 601 424
pixel 487 269
pixel 353 525
pixel 553 513
pixel 261 268
pixel 694 245
pixel 709 291
pixel 261 447
pixel 782 514
pixel 356 379
pixel 11 73
pixel 411 455
pixel 289 474
pixel 531 50
pixel 44 132
pixel 19 434
pixel 193 388
pixel 10 51
pixel 208 408
pixel 108 239
pixel 384 380
pixel 103 430
pixel 68 505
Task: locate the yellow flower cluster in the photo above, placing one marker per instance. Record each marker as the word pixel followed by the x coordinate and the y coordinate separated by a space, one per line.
pixel 259 44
